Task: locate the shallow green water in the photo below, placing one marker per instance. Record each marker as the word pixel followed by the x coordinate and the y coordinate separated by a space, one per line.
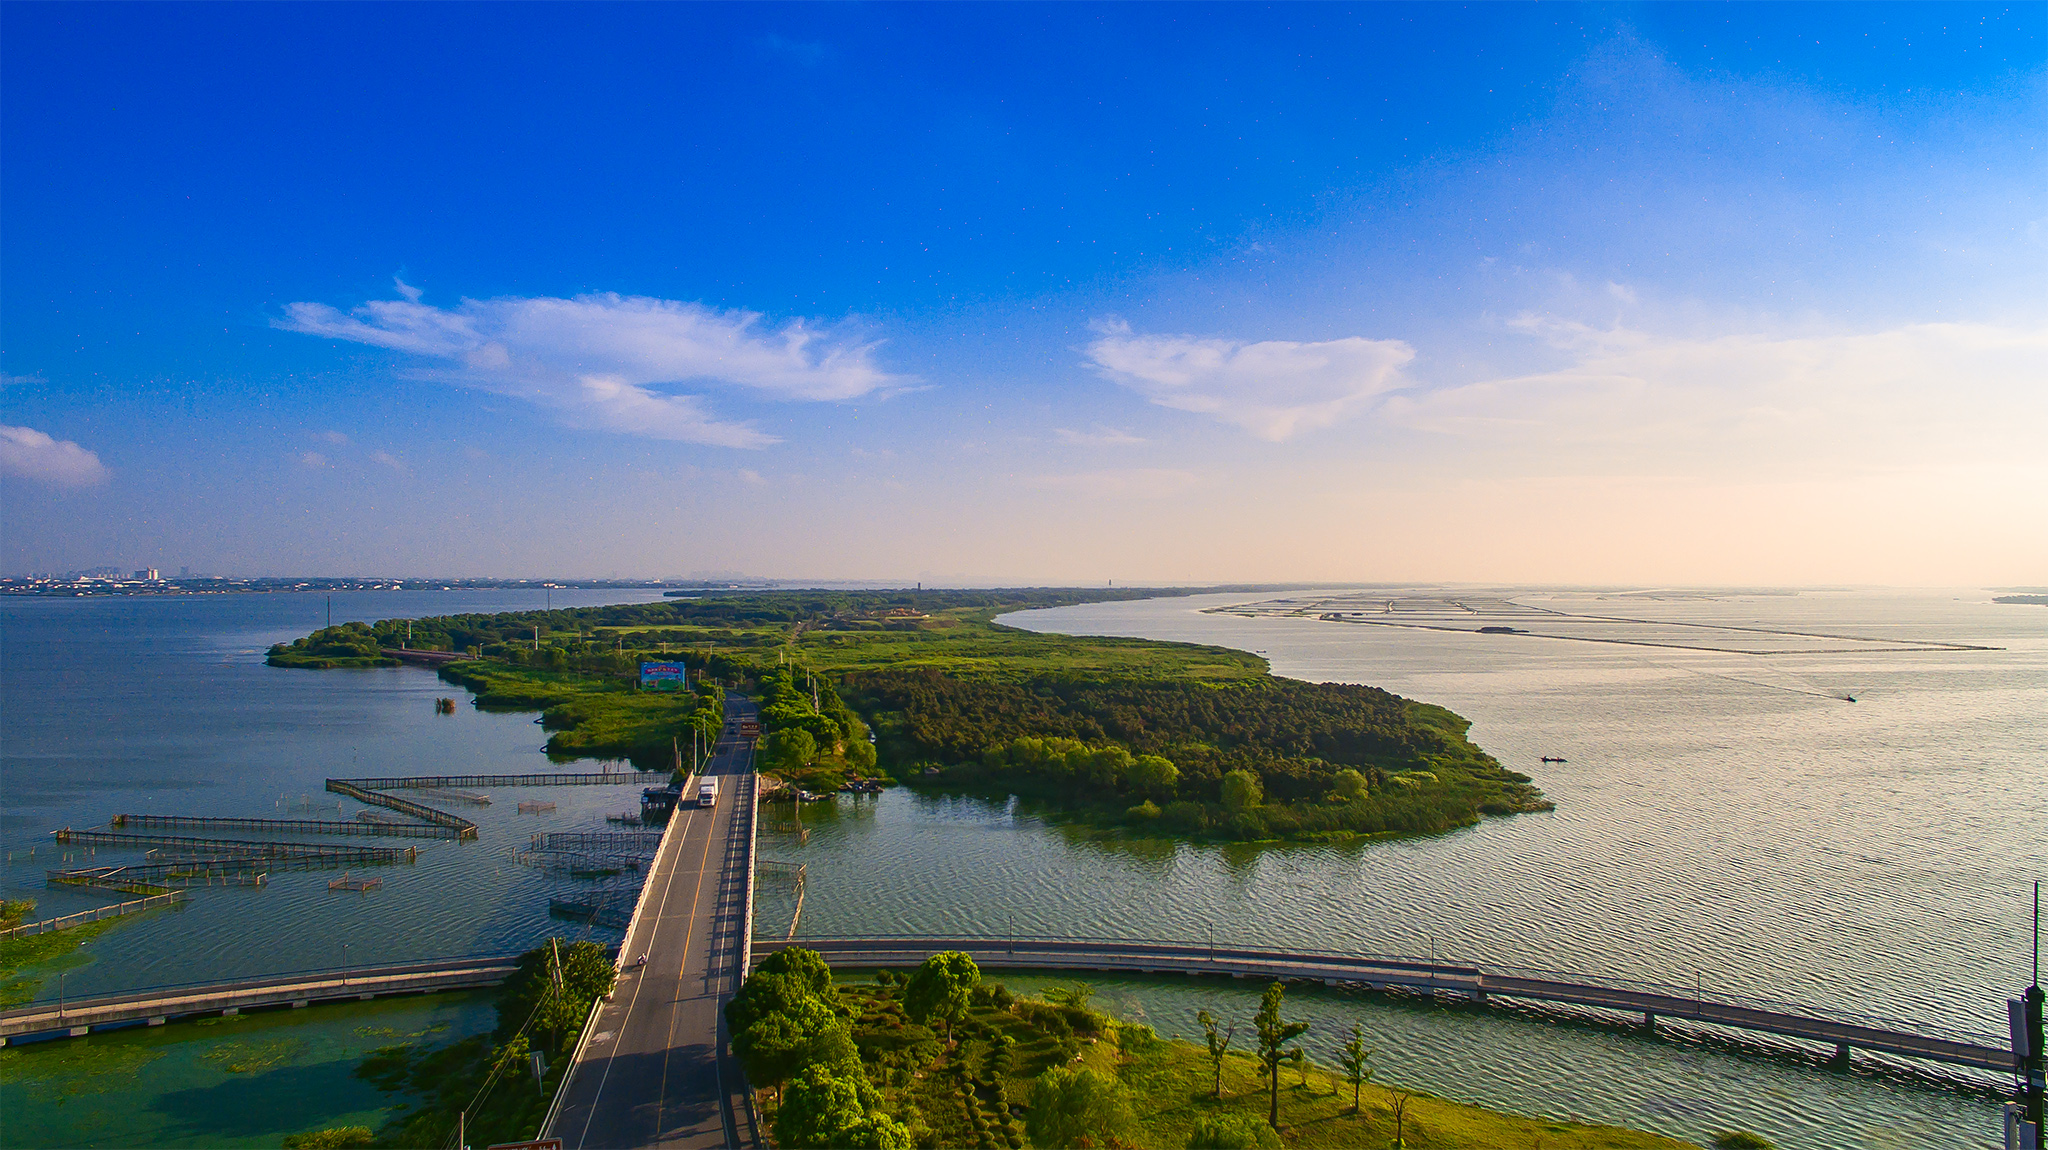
pixel 243 1081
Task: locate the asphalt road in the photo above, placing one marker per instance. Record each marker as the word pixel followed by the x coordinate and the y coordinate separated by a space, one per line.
pixel 656 1070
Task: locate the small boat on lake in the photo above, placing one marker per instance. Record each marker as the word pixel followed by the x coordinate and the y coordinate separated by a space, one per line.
pixel 1553 759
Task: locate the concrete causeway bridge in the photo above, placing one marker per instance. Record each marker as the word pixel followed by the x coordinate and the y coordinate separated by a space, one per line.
pixel 158 1005
pixel 653 1065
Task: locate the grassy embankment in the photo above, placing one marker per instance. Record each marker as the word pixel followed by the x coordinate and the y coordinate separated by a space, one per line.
pixel 1166 738
pixel 1167 1084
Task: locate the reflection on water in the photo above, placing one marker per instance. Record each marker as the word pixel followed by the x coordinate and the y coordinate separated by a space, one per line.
pixel 1712 825
pixel 1867 857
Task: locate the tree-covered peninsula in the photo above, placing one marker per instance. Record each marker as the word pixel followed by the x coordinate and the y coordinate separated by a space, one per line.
pixel 925 686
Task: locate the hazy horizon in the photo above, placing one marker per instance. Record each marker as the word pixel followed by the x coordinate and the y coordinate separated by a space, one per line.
pixel 1629 294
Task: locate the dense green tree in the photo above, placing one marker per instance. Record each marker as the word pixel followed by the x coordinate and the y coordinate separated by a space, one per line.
pixel 1069 1105
pixel 1241 791
pixel 1219 1044
pixel 1153 775
pixel 1232 1134
pixel 792 749
pixel 554 985
pixel 1348 784
pixel 860 755
pixel 1274 1035
pixel 941 989
pixel 779 1045
pixel 765 993
pixel 807 968
pixel 875 1132
pixel 819 1109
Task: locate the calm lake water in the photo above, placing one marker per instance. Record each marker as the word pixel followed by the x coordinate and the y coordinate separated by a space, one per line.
pixel 1719 819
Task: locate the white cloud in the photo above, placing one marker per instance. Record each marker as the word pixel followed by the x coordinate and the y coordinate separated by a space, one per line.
pixel 1123 483
pixel 8 379
pixel 1913 395
pixel 26 453
pixel 1100 437
pixel 312 459
pixel 608 362
pixel 1273 389
pixel 389 460
pixel 331 437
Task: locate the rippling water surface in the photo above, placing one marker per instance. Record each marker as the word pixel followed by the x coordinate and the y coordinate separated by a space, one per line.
pixel 1720 819
pixel 163 706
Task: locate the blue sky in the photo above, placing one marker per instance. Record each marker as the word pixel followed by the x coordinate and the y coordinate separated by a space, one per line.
pixel 1675 293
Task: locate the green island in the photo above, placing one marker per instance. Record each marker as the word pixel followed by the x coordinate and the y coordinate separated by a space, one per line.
pixel 928 689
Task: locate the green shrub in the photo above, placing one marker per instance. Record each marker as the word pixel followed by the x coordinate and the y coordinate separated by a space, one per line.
pixel 1742 1140
pixel 332 1138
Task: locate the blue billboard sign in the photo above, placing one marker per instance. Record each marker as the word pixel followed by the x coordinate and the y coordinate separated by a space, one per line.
pixel 664 677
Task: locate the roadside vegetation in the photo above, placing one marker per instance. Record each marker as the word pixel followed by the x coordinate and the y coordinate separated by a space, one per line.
pixel 487 1078
pixel 1162 739
pixel 939 1057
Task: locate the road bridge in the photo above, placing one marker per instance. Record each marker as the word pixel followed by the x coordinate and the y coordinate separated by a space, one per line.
pixel 1478 983
pixel 654 1067
pixel 158 1005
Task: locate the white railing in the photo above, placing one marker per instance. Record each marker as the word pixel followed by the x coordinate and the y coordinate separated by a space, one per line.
pixel 94 915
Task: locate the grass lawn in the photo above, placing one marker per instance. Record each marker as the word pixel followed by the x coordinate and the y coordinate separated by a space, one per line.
pixel 975 1096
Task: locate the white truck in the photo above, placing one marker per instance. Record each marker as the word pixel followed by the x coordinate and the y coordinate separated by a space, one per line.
pixel 707 793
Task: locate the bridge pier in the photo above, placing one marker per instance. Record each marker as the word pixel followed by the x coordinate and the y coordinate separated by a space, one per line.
pixel 1649 1020
pixel 1841 1054
pixel 299 1003
pixel 157 1021
pixel 230 1012
pixel 80 1031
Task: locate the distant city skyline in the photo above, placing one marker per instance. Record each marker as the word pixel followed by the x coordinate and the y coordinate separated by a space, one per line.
pixel 1607 294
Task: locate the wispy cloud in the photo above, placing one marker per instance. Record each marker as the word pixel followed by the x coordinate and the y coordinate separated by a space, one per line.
pixel 606 362
pixel 334 437
pixel 390 460
pixel 1912 395
pixel 1123 483
pixel 8 379
pixel 26 453
pixel 1274 389
pixel 312 459
pixel 1100 437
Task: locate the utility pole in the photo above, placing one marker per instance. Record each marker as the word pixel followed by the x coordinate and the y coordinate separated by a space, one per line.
pixel 2024 1014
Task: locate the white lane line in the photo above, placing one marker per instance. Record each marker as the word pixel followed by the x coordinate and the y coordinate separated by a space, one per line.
pixel 583 1137
pixel 675 1008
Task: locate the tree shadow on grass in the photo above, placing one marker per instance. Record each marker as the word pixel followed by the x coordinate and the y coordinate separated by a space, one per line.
pixel 281 1101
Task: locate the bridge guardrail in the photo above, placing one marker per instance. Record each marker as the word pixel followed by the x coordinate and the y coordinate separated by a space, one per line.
pixel 427 966
pixel 1180 948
